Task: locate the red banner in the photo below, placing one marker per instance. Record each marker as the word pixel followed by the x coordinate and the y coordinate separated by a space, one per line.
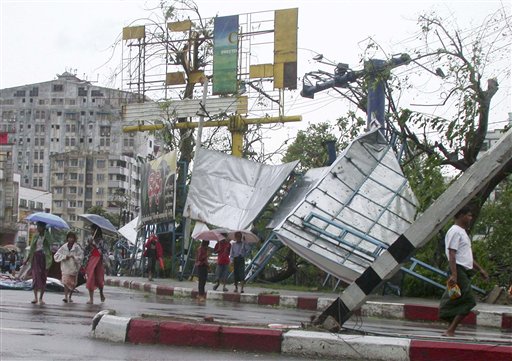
pixel 3 138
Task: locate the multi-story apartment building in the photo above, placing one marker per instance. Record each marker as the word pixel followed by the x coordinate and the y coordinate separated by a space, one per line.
pixel 68 141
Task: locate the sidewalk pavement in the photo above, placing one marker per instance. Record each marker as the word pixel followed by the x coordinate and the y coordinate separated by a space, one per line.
pixel 303 343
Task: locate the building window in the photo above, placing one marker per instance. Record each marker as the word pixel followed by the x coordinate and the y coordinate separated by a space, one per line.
pixel 100 163
pixel 58 87
pixel 23 203
pixel 73 162
pixel 73 176
pixel 72 190
pixel 104 131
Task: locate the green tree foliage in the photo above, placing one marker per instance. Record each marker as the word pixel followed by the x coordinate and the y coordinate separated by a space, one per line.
pixel 309 147
pixel 494 249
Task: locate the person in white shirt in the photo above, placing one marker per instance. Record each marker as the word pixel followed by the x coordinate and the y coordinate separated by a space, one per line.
pixel 70 256
pixel 239 251
pixel 460 258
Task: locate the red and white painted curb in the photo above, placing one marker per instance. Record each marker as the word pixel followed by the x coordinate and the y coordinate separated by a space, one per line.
pixel 391 310
pixel 297 343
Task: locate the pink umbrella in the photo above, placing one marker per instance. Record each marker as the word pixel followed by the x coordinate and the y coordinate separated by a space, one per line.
pixel 247 236
pixel 209 235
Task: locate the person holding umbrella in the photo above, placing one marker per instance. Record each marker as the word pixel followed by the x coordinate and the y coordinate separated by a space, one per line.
pixel 223 249
pixel 40 257
pixel 70 256
pixel 95 255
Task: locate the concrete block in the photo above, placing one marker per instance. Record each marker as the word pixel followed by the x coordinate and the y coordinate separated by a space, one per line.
pixel 307 303
pixel 215 295
pixel 384 310
pixel 489 319
pixel 251 339
pixel 316 345
pixel 112 328
pixel 164 290
pixel 142 331
pixel 189 334
pixel 249 298
pixel 448 351
pixel 288 301
pixel 268 299
pixel 182 292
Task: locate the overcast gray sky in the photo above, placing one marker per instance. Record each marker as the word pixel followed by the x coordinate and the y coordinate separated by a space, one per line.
pixel 40 39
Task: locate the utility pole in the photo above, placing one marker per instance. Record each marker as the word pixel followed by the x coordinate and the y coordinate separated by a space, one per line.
pixel 376 72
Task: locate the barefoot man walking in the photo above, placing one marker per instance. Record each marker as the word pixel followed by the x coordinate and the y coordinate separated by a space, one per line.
pixel 461 262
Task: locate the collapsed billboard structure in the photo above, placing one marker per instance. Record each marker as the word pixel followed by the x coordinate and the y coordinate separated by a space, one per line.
pixel 342 217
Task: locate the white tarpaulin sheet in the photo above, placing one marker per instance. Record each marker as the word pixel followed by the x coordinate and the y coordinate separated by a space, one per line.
pixel 129 230
pixel 230 192
pixel 341 217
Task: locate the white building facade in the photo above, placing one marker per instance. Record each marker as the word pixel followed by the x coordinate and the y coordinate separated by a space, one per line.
pixel 68 141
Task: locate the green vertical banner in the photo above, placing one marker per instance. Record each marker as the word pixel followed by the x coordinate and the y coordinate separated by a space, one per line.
pixel 225 55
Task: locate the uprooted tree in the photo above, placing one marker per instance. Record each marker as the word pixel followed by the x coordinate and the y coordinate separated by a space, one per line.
pixel 466 78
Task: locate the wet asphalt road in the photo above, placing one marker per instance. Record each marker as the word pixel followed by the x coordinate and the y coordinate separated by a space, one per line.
pixel 59 331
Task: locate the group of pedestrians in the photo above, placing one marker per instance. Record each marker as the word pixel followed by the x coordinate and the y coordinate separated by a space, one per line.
pixel 72 258
pixel 227 254
pixel 453 308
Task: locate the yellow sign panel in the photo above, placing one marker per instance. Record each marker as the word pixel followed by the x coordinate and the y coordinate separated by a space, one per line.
pixel 185 25
pixel 285 48
pixel 261 71
pixel 134 32
pixel 175 78
pixel 285 35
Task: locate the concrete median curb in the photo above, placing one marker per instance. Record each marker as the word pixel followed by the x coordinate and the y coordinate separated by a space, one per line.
pixel 390 310
pixel 296 343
